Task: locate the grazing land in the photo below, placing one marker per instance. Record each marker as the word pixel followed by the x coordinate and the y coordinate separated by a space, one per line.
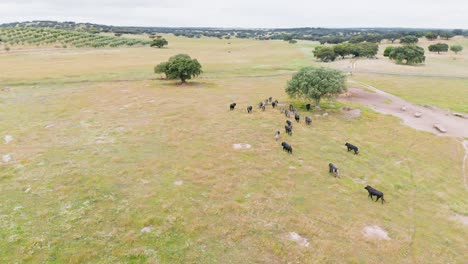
pixel 112 164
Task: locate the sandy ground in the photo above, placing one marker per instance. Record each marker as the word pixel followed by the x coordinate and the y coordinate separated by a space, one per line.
pixel 386 103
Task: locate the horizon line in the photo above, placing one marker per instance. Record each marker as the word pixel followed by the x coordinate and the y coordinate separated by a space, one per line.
pixel 234 28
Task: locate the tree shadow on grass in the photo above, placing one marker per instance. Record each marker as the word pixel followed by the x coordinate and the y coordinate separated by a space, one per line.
pixel 191 84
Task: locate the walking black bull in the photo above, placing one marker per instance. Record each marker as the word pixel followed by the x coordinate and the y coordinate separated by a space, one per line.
pixel 374 192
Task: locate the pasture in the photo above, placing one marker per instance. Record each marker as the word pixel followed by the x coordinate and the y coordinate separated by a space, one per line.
pixel 111 164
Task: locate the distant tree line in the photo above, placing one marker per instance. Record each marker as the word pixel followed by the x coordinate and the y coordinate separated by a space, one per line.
pixel 324 35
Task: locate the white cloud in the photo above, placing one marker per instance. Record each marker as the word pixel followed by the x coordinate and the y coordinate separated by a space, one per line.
pixel 244 13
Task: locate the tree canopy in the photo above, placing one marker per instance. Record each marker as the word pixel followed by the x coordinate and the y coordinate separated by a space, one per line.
pixel 181 67
pixel 456 48
pixel 159 42
pixel 365 49
pixel 409 39
pixel 388 50
pixel 458 32
pixel 392 36
pixel 447 35
pixel 316 83
pixel 439 47
pixel 343 49
pixel 431 35
pixel 408 54
pixel 325 53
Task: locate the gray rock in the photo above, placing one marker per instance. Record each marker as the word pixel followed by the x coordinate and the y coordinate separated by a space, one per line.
pixel 440 128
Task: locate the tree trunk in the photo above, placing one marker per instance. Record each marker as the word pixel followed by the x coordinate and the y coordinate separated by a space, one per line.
pixel 317 102
pixel 182 78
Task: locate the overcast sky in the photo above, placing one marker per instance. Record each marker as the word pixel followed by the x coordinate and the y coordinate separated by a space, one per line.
pixel 244 13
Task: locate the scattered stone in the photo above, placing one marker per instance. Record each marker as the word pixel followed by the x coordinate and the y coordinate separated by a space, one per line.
pixel 375 232
pixel 28 190
pixel 146 229
pixel 403 108
pixel 178 183
pixel 50 126
pixel 301 241
pixel 325 114
pixel 458 115
pixel 8 139
pixel 6 89
pixel 6 158
pixel 292 167
pixel 241 146
pixel 440 128
pixel 418 114
pixel 104 140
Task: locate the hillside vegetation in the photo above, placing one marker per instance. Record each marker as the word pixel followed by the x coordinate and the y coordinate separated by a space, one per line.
pixel 48 36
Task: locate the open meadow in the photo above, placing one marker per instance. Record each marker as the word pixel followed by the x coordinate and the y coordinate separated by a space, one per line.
pixel 112 164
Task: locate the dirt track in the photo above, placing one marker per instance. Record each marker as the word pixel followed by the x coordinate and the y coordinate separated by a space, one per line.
pixel 386 103
pixel 389 104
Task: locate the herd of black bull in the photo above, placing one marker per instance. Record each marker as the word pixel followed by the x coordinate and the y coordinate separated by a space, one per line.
pixel 288 129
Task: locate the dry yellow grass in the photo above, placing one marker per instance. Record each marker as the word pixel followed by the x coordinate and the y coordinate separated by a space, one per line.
pixel 81 191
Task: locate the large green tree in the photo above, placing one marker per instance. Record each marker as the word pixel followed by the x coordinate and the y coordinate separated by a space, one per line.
pixel 431 35
pixel 439 47
pixel 316 83
pixel 392 36
pixel 343 49
pixel 408 54
pixel 159 42
pixel 456 48
pixel 325 53
pixel 181 67
pixel 364 49
pixel 447 35
pixel 161 68
pixel 409 39
pixel 388 50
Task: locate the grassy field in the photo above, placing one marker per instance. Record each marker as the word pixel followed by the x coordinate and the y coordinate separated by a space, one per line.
pixel 441 81
pixel 447 93
pixel 98 145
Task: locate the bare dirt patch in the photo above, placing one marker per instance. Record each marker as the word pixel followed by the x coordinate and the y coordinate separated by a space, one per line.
pixel 375 232
pixel 386 103
pixel 460 218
